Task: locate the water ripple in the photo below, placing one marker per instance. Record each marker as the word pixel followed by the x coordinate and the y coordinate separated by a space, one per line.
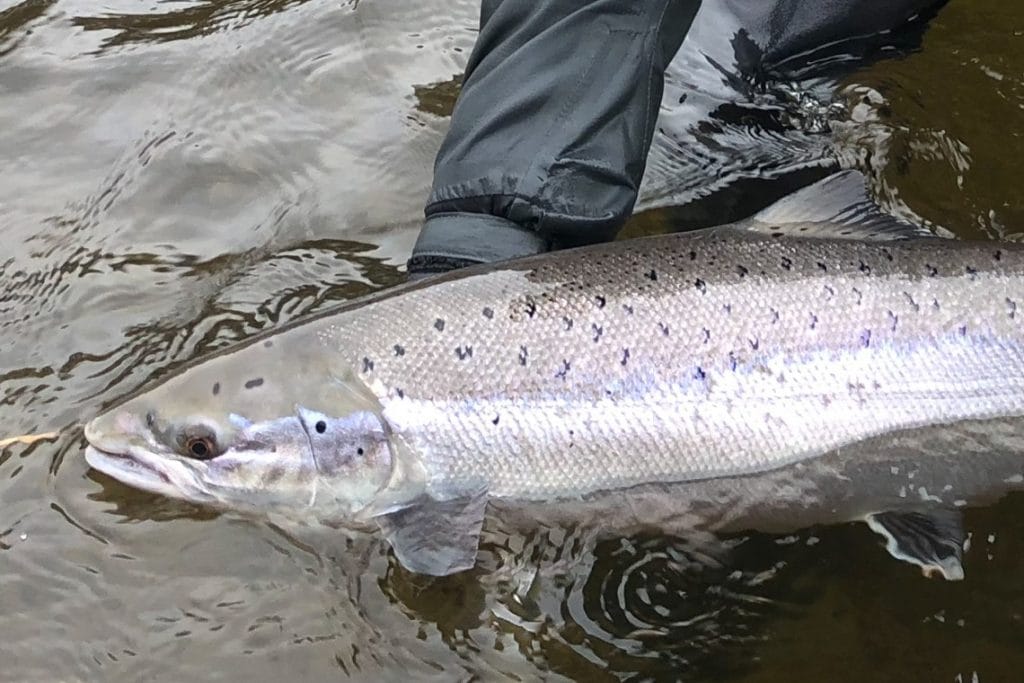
pixel 183 175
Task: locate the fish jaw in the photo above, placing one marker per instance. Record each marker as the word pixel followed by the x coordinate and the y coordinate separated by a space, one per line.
pixel 122 448
pixel 143 471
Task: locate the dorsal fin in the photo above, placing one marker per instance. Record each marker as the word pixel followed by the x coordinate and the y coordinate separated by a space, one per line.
pixel 838 207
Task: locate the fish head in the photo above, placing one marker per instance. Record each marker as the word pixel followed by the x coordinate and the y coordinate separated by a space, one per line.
pixel 218 435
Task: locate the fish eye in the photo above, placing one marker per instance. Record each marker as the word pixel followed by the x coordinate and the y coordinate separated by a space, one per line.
pixel 200 447
pixel 320 427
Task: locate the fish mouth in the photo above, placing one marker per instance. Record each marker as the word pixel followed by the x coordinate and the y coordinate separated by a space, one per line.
pixel 118 465
pixel 145 472
pixel 121 458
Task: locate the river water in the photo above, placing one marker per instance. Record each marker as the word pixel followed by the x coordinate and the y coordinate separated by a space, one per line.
pixel 180 175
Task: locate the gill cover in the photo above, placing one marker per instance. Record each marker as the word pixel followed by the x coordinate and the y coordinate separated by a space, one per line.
pixel 351 455
pixel 374 474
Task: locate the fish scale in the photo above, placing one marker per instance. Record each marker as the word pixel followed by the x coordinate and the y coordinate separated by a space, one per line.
pixel 686 357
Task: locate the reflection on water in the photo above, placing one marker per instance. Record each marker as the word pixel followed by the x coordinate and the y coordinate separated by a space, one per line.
pixel 182 175
pixel 642 606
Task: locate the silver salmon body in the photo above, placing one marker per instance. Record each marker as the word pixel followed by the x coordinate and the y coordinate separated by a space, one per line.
pixel 726 354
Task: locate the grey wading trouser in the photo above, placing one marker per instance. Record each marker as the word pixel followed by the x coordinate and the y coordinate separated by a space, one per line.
pixel 550 134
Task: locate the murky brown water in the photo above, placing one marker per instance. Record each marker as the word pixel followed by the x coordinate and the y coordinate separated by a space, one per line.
pixel 179 175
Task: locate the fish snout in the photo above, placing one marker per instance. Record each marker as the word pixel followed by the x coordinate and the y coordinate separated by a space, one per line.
pixel 92 431
pixel 118 427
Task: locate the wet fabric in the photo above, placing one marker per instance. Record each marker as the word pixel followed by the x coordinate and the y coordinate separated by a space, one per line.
pixel 551 128
pixel 549 138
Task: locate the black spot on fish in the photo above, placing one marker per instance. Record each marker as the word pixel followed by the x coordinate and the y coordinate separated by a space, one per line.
pixel 253 383
pixel 829 292
pixel 523 355
pixel 531 306
pixel 935 304
pixel 568 322
pixel 742 271
pixel 439 325
pixel 786 263
pixel 628 309
pixel 700 285
pixel 652 275
pixel 858 294
pixel 320 427
pixel 971 272
pixel 399 392
pixel 216 388
pixel 693 255
pixel 564 371
pixel 496 420
pixel 625 357
pixel 754 343
pixel 699 373
pixel 399 350
pixel 267 344
pixel 664 328
pixel 598 330
pixel 963 330
pixel 775 315
pixel 601 301
pixel 932 270
pixel 865 268
pixel 865 338
pixel 777 234
pixel 727 308
pixel 822 266
pixel 464 352
pixel 732 360
pixel 893 319
pixel 888 254
pixel 910 300
pixel 998 255
pixel 150 418
pixel 814 321
pixel 1011 308
pixel 367 364
pixel 707 334
pixel 488 313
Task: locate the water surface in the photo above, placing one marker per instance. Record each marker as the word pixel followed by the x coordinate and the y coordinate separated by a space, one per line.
pixel 180 175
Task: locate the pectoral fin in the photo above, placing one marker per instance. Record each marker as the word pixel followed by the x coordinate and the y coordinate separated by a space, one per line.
pixel 934 540
pixel 436 537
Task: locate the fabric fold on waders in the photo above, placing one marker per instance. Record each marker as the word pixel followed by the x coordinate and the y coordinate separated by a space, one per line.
pixel 550 135
pixel 552 126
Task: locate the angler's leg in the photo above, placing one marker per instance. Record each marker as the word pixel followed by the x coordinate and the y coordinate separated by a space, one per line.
pixel 550 134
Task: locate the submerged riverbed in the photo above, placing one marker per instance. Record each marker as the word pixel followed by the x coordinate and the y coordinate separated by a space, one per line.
pixel 181 175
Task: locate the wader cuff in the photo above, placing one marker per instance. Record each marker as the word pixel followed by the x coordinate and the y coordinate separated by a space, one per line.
pixel 456 239
pixel 549 136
